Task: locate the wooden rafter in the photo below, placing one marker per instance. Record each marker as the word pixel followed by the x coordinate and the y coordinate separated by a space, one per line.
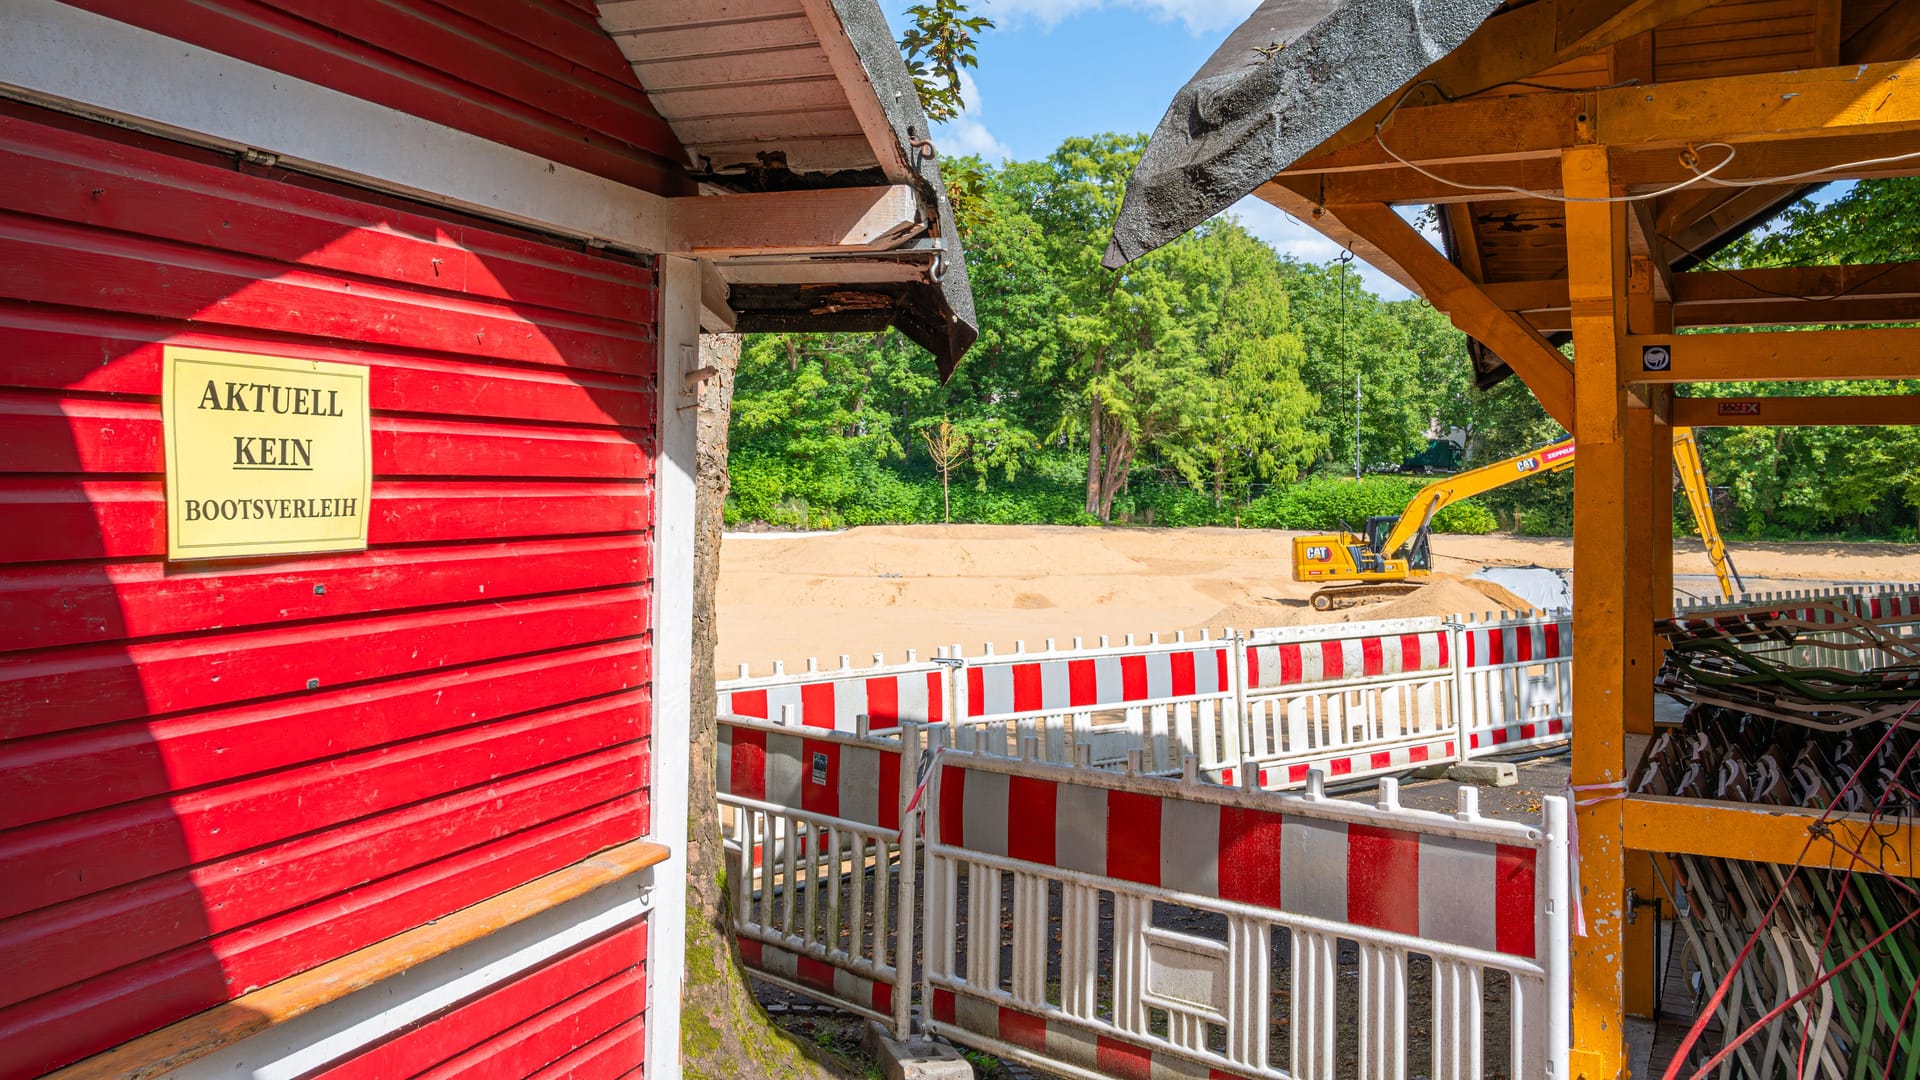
pixel 1896 32
pixel 1530 355
pixel 1782 356
pixel 1839 411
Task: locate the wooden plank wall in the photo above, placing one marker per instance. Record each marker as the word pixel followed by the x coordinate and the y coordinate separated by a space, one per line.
pixel 214 775
pixel 537 75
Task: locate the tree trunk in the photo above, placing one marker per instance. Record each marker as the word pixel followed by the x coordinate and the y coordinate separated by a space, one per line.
pixel 1114 474
pixel 724 1033
pixel 946 498
pixel 1095 417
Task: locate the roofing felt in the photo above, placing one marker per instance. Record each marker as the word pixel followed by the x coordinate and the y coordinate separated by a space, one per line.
pixel 1293 75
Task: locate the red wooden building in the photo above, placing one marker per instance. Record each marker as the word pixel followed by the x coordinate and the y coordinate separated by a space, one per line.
pixel 418 807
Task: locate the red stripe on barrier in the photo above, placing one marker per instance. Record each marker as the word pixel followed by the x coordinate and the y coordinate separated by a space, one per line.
pixel 943 1002
pixel 1220 656
pixel 1499 736
pixel 1381 759
pixel 1333 660
pixel 1026 687
pixel 815 972
pixel 747 771
pixel 1340 766
pixel 1523 643
pixel 1555 727
pixel 1133 678
pixel 882 998
pixel 820 777
pixel 1133 837
pixel 1083 683
pixel 1513 900
pixel 1383 878
pixel 1472 741
pixel 883 702
pixel 1123 1061
pixel 816 705
pixel 1442 639
pixel 1553 641
pixel 1449 749
pixel 1291 666
pixel 750 952
pixel 1250 856
pixel 1022 1029
pixel 1298 773
pixel 953 799
pixel 1372 657
pixel 936 699
pixel 1031 824
pixel 1496 647
pixel 1473 649
pixel 750 703
pixel 1253 667
pixel 1184 677
pixel 1409 652
pixel 889 815
pixel 1527 731
pixel 976 691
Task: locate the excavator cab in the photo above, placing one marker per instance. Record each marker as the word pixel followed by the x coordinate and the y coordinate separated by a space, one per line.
pixel 1419 551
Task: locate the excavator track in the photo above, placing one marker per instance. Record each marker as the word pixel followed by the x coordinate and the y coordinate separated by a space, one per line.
pixel 1337 597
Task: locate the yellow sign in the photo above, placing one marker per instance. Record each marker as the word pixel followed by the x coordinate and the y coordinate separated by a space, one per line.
pixel 265 455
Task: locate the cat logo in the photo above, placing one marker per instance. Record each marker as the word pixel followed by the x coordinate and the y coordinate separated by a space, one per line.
pixel 1319 554
pixel 1527 465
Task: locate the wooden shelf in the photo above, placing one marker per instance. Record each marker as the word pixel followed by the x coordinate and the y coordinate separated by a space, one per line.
pixel 1772 834
pixel 249 1014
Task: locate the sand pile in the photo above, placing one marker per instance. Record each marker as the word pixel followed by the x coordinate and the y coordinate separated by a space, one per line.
pixel 918 587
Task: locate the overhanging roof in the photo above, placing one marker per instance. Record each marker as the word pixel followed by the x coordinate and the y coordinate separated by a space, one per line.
pixel 1291 77
pixel 806 95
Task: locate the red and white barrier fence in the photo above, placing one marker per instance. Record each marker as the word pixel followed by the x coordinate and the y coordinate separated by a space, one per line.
pixel 821 868
pixel 837 697
pixel 1242 930
pixel 1515 682
pixel 1349 701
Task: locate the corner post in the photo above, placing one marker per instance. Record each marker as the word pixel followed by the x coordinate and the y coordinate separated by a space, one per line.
pixel 1612 676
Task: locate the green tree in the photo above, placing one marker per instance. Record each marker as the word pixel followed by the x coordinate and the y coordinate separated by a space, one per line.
pixel 942 39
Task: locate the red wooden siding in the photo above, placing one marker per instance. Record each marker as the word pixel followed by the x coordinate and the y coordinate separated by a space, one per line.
pixel 536 75
pixel 573 1016
pixel 216 775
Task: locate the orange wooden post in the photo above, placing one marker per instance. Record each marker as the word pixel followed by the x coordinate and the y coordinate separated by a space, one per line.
pixel 1612 609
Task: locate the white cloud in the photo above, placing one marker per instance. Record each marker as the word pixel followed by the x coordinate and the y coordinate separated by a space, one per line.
pixel 1199 16
pixel 967 133
pixel 1291 237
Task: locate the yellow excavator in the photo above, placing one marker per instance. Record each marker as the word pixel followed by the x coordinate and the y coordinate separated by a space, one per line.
pixel 1392 558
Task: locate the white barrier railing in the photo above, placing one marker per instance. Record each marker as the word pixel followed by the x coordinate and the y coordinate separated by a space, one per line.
pixel 1515 682
pixel 820 866
pixel 1098 924
pixel 1168 700
pixel 1351 702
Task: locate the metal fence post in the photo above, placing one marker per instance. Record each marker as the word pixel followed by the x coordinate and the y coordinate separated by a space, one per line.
pixel 1559 946
pixel 1235 732
pixel 1456 662
pixel 911 749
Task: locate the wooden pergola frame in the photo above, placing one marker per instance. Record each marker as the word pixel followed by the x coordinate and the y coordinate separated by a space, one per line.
pixel 1617 295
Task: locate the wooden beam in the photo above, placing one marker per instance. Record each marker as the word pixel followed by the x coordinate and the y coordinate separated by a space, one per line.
pixel 1778 356
pixel 794 222
pixel 201 1034
pixel 1772 834
pixel 1330 225
pixel 1581 23
pixel 1612 607
pixel 861 94
pixel 1644 242
pixel 1775 294
pixel 716 314
pixel 1519 44
pixel 1531 356
pixel 1892 410
pixel 1895 32
pixel 1466 242
pixel 1826 32
pixel 1866 312
pixel 1815 103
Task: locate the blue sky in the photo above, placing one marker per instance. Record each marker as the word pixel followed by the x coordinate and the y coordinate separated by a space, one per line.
pixel 1055 68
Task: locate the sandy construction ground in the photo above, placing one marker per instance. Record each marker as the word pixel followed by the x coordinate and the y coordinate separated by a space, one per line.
pixel 918 587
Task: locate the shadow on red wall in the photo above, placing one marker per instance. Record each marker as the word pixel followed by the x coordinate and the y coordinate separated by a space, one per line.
pixel 215 775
